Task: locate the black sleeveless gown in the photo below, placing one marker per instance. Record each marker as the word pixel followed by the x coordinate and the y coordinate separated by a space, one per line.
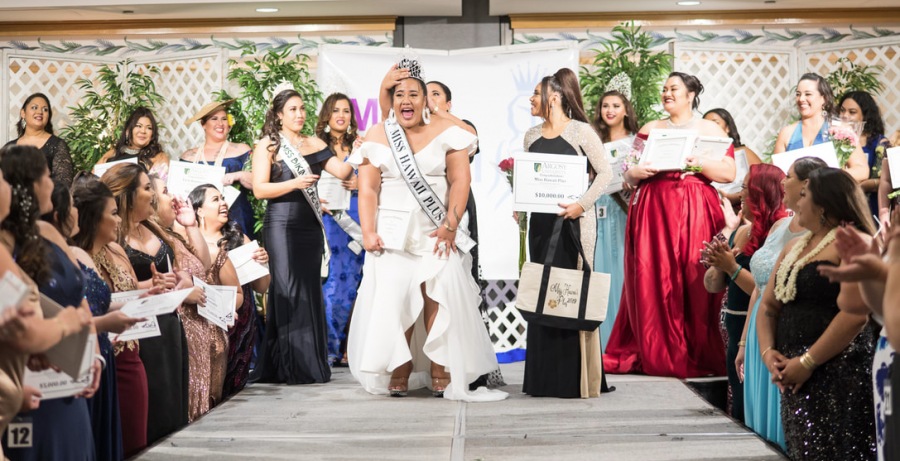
pixel 294 349
pixel 831 417
pixel 165 357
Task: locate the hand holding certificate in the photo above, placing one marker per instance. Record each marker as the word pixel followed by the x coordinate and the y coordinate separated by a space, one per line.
pixel 669 149
pixel 55 384
pixel 617 150
pixel 220 304
pixel 332 192
pixel 393 227
pixel 67 354
pixel 541 182
pixel 147 308
pixel 247 268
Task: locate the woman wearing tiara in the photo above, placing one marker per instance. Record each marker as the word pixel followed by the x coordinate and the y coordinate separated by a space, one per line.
pixel 614 120
pixel 416 322
pixel 286 166
pixel 668 324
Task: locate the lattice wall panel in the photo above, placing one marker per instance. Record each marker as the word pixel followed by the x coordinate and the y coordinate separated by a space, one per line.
pixel 887 56
pixel 55 77
pixel 753 85
pixel 505 324
pixel 187 85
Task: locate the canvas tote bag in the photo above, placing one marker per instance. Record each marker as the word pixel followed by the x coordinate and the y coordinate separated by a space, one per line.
pixel 570 299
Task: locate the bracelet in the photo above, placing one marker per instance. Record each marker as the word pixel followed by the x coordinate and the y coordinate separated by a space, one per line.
pixel 65 330
pixel 446 226
pixel 763 355
pixel 735 274
pixel 742 343
pixel 807 361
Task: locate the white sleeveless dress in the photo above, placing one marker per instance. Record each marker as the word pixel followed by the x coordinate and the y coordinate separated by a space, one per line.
pixel 390 298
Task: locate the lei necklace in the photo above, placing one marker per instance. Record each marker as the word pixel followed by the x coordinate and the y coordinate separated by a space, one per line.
pixel 790 266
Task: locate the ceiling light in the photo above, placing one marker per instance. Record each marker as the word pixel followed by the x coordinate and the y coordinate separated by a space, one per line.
pixel 689 3
pixel 271 10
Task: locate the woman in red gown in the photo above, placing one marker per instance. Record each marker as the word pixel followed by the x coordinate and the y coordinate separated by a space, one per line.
pixel 668 324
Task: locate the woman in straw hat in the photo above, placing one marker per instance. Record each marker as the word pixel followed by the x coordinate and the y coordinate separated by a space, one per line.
pixel 216 150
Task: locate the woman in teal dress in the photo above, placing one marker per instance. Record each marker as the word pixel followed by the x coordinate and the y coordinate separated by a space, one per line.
pixel 762 399
pixel 614 120
pixel 216 150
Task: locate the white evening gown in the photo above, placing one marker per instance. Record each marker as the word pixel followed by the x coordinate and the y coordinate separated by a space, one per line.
pixel 390 298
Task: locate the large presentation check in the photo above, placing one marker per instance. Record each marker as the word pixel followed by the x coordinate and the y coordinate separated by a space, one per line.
pixel 542 181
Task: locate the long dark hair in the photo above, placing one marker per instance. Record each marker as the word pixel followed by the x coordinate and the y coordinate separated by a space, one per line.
pixel 90 197
pixel 272 126
pixel 22 166
pixel 804 166
pixel 765 201
pixel 692 85
pixel 20 125
pixel 325 118
pixel 151 150
pixel 564 83
pixel 630 122
pixel 232 234
pixel 870 112
pixel 729 124
pixel 824 89
pixel 841 198
pixel 62 208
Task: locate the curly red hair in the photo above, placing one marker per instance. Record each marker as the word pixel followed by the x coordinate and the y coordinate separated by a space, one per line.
pixel 765 203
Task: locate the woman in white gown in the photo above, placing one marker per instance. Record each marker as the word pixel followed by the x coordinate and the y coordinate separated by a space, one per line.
pixel 416 320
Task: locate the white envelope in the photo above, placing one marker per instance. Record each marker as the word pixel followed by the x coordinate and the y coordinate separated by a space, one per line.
pixel 247 269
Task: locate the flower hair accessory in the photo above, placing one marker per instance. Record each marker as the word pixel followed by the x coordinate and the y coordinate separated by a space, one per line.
pixel 622 84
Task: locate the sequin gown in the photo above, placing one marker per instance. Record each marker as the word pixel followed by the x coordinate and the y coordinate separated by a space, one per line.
pixel 165 357
pixel 59 160
pixel 241 337
pixel 293 350
pixel 206 344
pixel 830 418
pixel 762 399
pixel 131 377
pixel 560 362
pixel 61 427
pixel 241 211
pixel 881 382
pixel 219 343
pixel 104 405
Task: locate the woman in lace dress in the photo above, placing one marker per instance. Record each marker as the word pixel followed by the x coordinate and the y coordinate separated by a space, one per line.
pixel 819 355
pixel 140 140
pixel 35 128
pixel 222 235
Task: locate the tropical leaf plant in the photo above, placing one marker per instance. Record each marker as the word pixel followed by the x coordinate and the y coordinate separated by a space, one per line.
pixel 852 77
pixel 629 51
pixel 99 119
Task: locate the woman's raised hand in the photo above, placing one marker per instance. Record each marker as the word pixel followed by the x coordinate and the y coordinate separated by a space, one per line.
pixel 184 212
pixel 393 77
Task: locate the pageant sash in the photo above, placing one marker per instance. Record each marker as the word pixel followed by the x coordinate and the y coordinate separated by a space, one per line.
pixel 429 201
pixel 298 165
pixel 351 227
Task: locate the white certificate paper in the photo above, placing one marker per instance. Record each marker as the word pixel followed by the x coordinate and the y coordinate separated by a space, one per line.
pixel 393 227
pixel 616 151
pixel 146 329
pixel 101 168
pixel 893 156
pixel 185 177
pixel 247 269
pixel 165 303
pixel 68 354
pixel 13 291
pixel 542 181
pixel 332 191
pixel 217 310
pixel 54 384
pixel 230 194
pixel 712 148
pixel 824 151
pixel 741 168
pixel 669 149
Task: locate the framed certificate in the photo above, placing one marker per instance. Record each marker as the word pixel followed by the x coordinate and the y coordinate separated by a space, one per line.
pixel 393 226
pixel 542 181
pixel 332 192
pixel 893 156
pixel 824 151
pixel 712 148
pixel 668 149
pixel 184 177
pixel 616 152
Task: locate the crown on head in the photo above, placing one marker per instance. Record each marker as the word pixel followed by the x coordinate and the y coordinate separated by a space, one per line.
pixel 409 60
pixel 281 87
pixel 620 83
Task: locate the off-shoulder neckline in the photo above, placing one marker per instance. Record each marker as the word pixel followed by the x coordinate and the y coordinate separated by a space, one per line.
pixel 442 133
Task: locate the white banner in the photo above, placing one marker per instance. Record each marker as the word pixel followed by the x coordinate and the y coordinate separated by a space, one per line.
pixel 490 87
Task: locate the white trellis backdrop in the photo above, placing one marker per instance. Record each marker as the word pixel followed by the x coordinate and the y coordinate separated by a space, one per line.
pixel 756 83
pixel 186 81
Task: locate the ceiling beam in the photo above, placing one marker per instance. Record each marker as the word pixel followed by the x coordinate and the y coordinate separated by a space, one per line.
pixel 705 18
pixel 199 26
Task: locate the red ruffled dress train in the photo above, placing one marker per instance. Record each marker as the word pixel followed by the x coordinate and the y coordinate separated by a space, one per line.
pixel 668 324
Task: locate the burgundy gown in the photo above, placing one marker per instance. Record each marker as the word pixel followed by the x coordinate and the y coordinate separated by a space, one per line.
pixel 668 324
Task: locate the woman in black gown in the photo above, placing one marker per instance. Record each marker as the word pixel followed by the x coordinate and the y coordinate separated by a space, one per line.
pixel 35 128
pixel 293 350
pixel 165 357
pixel 560 362
pixel 819 354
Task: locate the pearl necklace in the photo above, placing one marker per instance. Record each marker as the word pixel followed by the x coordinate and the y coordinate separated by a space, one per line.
pixel 669 123
pixel 786 277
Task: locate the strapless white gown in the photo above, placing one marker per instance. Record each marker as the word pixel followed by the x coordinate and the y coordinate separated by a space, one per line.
pixel 390 298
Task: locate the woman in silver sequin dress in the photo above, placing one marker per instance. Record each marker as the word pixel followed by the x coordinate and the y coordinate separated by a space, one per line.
pixel 820 356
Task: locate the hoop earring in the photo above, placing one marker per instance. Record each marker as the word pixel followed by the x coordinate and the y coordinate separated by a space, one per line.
pixel 426 116
pixel 392 116
pixel 327 129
